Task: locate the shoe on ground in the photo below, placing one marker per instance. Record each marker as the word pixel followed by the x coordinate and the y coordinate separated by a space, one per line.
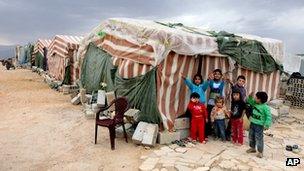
pixel 260 155
pixel 251 150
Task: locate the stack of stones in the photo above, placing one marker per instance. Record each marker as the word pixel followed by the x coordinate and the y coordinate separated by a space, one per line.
pixel 295 92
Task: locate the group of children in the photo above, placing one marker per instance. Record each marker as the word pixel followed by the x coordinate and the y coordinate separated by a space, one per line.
pixel 209 117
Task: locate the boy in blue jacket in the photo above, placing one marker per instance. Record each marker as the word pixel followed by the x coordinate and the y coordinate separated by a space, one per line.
pixel 197 85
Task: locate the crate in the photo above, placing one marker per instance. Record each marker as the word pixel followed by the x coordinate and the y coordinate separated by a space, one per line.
pixel 295 100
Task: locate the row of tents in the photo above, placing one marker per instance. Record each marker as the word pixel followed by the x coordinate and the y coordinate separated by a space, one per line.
pixel 143 60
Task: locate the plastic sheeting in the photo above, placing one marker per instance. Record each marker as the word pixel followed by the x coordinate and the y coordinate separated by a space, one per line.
pixel 25 54
pixel 163 39
pixel 250 54
pixel 39 60
pixel 141 92
pixel 96 68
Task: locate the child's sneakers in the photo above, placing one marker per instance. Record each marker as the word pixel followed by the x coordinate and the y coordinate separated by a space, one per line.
pixel 251 150
pixel 260 155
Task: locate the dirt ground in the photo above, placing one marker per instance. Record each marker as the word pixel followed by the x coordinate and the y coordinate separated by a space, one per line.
pixel 41 130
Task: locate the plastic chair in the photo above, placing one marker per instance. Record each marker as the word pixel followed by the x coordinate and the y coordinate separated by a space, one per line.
pixel 121 106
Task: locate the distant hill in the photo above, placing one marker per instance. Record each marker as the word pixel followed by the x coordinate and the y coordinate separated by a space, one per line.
pixel 7 51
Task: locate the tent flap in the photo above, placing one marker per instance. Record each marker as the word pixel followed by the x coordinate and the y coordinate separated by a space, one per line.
pixel 141 92
pixel 97 67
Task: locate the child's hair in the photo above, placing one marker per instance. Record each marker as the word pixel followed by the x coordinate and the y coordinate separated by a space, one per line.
pixel 237 92
pixel 262 96
pixel 198 75
pixel 241 77
pixel 219 99
pixel 218 70
pixel 195 95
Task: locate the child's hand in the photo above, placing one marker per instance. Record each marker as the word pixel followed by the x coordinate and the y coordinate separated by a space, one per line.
pixel 211 76
pixel 251 94
pixel 182 75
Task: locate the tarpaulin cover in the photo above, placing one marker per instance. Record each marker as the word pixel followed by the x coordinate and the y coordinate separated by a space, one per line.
pixel 67 75
pixel 39 60
pixel 96 68
pixel 250 54
pixel 141 92
pixel 25 54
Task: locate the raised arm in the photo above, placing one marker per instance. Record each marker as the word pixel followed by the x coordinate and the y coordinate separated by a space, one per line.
pixel 189 83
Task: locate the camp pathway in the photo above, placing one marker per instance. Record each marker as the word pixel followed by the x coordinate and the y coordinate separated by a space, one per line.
pixel 41 130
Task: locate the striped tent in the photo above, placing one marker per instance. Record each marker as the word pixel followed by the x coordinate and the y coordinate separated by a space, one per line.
pixel 61 53
pixel 137 46
pixel 39 47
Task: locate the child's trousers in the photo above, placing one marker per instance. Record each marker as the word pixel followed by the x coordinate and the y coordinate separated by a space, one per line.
pixel 219 125
pixel 256 137
pixel 237 130
pixel 208 126
pixel 197 128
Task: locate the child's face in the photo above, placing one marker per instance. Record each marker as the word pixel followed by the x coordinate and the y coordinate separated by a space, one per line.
pixel 217 75
pixel 241 82
pixel 257 100
pixel 197 80
pixel 219 104
pixel 236 96
pixel 194 100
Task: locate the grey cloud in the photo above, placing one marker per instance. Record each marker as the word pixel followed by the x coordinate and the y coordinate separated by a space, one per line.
pixel 27 20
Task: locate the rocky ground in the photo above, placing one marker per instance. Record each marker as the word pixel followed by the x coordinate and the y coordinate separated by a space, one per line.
pixel 41 130
pixel 216 155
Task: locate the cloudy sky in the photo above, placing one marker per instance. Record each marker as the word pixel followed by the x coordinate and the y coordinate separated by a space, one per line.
pixel 22 21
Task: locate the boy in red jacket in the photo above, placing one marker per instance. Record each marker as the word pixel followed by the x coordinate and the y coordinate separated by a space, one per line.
pixel 198 118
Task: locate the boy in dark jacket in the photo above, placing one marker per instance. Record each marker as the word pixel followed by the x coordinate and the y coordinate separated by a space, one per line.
pixel 238 107
pixel 239 86
pixel 259 120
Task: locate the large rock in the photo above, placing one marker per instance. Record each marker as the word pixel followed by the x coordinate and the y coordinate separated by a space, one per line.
pixel 150 135
pixel 132 115
pixel 182 168
pixel 184 133
pixel 82 93
pixel 101 98
pixel 167 137
pixel 76 100
pixel 276 103
pixel 182 123
pixel 284 110
pixel 145 133
pixel 274 112
pixel 148 164
pixel 139 132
